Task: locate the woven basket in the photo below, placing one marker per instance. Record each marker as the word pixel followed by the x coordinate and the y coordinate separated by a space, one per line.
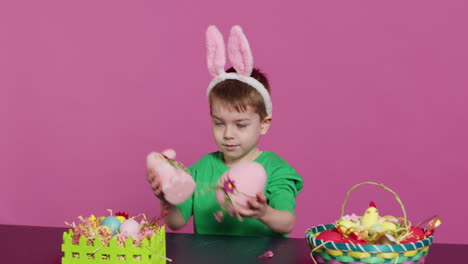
pixel 329 252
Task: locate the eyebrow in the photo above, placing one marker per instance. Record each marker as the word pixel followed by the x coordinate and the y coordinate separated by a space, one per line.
pixel 237 120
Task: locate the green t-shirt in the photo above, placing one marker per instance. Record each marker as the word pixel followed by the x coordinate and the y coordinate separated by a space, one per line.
pixel 283 185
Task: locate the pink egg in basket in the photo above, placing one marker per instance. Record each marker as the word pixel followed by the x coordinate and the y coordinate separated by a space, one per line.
pixel 176 182
pixel 130 228
pixel 240 182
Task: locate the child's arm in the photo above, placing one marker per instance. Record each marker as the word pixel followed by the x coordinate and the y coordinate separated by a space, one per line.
pixel 174 218
pixel 277 220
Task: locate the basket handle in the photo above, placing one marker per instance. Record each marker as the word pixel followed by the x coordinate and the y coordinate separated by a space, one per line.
pixel 384 187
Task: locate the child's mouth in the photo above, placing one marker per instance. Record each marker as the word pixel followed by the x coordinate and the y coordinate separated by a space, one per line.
pixel 231 147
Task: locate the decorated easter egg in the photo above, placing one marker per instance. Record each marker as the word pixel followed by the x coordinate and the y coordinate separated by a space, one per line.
pixel 377 227
pixel 176 182
pixel 130 228
pixel 111 222
pixel 103 230
pixel 241 182
pixel 389 225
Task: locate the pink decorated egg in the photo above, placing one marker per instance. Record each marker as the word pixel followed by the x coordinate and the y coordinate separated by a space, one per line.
pixel 130 228
pixel 241 181
pixel 176 183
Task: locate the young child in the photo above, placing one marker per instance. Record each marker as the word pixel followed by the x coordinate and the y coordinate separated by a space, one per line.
pixel 241 112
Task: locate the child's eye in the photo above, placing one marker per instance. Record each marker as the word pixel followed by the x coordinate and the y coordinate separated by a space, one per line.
pixel 218 123
pixel 241 125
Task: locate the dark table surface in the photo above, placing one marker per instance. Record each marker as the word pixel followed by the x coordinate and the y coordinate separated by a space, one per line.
pixel 38 245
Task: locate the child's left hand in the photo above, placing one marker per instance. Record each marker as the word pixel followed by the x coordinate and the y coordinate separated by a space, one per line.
pixel 256 207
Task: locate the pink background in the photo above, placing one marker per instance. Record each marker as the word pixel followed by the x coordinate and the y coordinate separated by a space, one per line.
pixel 362 91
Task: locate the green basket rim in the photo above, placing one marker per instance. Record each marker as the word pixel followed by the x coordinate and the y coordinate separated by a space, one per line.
pixel 397 248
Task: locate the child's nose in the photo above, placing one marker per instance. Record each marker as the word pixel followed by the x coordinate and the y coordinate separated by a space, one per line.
pixel 228 132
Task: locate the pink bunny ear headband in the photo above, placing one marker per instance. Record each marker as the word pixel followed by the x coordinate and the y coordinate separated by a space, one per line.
pixel 241 59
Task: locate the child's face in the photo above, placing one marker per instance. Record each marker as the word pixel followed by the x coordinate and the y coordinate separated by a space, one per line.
pixel 237 133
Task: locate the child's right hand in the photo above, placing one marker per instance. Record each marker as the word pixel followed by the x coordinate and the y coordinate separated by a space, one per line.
pixel 156 185
pixel 169 179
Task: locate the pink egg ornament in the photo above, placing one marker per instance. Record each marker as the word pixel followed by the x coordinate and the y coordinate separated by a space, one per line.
pixel 241 181
pixel 130 228
pixel 177 184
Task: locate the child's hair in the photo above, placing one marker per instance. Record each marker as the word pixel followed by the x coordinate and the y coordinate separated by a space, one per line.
pixel 240 95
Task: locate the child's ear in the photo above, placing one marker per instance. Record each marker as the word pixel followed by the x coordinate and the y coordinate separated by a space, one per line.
pixel 265 125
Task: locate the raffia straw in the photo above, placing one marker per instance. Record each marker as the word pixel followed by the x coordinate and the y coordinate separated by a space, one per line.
pixel 159 255
pixel 97 249
pixel 316 248
pixel 427 220
pixel 139 215
pixel 397 198
pixel 361 230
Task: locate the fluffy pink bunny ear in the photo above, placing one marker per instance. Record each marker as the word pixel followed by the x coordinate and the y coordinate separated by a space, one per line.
pixel 239 52
pixel 215 50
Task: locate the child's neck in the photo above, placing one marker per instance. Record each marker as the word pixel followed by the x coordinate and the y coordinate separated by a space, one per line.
pixel 251 156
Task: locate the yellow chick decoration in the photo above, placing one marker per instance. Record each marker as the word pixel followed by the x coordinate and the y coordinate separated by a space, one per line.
pixel 371 216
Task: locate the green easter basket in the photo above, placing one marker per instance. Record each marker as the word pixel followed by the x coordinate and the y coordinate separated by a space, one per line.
pixel 328 252
pixel 151 251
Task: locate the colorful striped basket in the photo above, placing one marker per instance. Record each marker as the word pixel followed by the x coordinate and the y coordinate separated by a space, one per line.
pixel 329 252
